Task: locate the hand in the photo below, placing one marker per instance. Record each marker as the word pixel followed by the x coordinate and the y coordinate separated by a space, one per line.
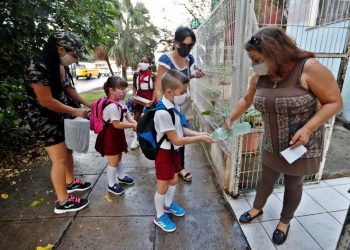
pixel 134 126
pixel 203 133
pixel 301 137
pixel 207 139
pixel 198 74
pixel 228 124
pixel 80 113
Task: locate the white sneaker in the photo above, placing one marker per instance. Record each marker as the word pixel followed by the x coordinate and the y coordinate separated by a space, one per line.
pixel 135 143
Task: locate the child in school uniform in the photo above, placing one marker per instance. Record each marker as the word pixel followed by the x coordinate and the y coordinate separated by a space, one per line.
pixel 143 85
pixel 111 140
pixel 167 163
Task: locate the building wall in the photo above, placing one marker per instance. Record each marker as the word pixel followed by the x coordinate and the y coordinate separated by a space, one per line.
pixel 330 38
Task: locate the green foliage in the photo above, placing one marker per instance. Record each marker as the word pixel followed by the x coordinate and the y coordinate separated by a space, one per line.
pixel 135 36
pixel 253 116
pixel 25 25
pixel 11 105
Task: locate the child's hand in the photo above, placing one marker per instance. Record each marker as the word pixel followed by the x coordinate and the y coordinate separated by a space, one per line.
pixel 207 139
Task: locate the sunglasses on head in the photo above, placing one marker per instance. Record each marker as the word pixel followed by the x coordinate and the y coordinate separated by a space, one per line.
pixel 255 41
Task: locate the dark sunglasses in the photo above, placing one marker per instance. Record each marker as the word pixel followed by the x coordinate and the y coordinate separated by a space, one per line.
pixel 185 45
pixel 255 41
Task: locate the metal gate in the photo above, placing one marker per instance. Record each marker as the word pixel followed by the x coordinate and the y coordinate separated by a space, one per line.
pixel 321 26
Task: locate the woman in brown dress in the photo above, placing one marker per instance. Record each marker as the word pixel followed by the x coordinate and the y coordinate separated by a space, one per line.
pixel 296 95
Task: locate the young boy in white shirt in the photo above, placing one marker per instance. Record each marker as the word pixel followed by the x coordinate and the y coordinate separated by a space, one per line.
pixel 174 84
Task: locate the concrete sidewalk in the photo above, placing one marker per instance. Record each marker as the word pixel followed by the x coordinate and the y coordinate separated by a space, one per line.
pixel 119 222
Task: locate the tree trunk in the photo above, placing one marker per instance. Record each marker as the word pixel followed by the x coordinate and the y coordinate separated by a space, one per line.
pixel 124 67
pixel 109 66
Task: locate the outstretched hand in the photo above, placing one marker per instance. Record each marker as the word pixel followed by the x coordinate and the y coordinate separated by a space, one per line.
pixel 207 139
pixel 228 124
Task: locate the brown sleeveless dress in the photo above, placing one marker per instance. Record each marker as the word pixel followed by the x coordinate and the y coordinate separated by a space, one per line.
pixel 285 109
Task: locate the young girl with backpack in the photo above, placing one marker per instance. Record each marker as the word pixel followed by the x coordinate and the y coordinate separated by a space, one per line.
pixel 143 85
pixel 111 140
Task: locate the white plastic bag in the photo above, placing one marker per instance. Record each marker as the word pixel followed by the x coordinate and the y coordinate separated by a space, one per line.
pixel 77 134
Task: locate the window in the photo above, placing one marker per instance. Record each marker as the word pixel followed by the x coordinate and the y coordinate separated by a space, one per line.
pixel 332 10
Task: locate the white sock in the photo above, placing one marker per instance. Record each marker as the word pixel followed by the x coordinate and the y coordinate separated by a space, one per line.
pixel 111 171
pixel 120 171
pixel 159 201
pixel 169 195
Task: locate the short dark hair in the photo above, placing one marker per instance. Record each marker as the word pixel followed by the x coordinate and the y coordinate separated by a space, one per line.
pixel 148 59
pixel 114 82
pixel 173 79
pixel 182 32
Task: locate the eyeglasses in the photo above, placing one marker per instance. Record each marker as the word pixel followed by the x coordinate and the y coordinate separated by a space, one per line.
pixel 255 41
pixel 185 45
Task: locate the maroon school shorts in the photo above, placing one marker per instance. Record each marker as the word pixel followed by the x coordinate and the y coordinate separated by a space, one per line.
pixel 167 164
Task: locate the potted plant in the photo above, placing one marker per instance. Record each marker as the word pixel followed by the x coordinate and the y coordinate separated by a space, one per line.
pixel 251 140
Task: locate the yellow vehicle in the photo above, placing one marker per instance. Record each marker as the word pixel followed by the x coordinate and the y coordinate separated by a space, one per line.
pixel 87 70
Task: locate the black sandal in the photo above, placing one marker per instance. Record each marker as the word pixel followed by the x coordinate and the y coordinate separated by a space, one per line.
pixel 279 237
pixel 246 217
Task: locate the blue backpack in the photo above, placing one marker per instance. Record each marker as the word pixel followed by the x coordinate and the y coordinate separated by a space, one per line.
pixel 147 134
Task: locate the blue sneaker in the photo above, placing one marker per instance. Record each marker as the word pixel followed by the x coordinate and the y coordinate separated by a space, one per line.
pixel 126 180
pixel 116 189
pixel 165 223
pixel 174 209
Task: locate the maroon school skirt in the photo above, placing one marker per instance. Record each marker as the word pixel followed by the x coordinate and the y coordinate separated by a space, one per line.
pixel 111 141
pixel 148 94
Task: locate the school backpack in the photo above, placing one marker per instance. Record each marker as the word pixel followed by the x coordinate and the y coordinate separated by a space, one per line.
pixel 147 134
pixel 96 114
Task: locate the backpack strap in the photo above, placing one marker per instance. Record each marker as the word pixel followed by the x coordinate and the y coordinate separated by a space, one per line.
pixel 165 137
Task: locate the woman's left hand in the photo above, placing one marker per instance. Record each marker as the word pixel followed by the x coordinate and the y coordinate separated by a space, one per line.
pixel 198 74
pixel 301 137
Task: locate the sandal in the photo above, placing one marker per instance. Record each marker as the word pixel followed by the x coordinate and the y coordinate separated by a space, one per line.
pixel 186 177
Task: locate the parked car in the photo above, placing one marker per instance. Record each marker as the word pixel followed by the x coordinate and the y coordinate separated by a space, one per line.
pixel 83 71
pixel 105 71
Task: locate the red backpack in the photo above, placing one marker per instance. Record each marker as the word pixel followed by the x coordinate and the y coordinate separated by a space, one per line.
pixel 97 123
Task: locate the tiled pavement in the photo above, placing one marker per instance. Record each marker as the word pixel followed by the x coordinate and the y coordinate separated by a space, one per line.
pixel 317 222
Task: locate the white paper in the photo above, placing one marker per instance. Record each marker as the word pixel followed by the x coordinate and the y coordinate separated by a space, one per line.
pixel 291 155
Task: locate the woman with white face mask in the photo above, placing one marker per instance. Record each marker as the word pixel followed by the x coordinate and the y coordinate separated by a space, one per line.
pixel 287 86
pixel 47 108
pixel 180 59
pixel 143 85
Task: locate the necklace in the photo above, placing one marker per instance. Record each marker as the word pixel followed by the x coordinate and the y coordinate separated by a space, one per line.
pixel 275 84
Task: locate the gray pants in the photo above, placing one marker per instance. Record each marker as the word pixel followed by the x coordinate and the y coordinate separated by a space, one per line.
pixel 293 191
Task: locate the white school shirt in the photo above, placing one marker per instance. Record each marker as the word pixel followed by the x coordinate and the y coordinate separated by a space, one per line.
pixel 113 113
pixel 164 123
pixel 144 84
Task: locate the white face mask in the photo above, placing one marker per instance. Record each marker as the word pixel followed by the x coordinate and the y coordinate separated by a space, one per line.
pixel 144 66
pixel 261 69
pixel 67 60
pixel 180 99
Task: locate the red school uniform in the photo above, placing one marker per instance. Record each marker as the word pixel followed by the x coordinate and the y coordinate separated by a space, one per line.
pixel 144 85
pixel 111 140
